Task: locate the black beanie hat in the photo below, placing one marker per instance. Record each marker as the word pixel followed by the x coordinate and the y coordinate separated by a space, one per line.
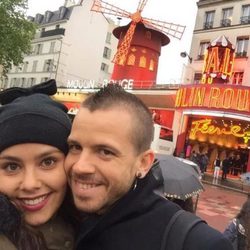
pixel 28 116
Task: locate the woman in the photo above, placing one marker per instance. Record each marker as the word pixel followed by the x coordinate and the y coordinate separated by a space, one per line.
pixel 33 145
pixel 238 230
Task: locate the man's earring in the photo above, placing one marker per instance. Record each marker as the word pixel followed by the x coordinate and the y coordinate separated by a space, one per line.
pixel 139 175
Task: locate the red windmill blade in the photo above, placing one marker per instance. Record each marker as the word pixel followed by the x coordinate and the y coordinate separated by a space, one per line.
pixel 171 29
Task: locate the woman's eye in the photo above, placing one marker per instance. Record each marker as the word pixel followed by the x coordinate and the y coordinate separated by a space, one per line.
pixel 48 162
pixel 11 167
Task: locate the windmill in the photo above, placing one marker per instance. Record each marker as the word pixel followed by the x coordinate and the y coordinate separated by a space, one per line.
pixel 162 27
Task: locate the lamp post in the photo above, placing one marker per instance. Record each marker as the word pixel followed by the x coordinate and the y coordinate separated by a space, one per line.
pixel 185 54
pixel 187 70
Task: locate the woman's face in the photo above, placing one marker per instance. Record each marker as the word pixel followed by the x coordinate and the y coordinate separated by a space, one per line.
pixel 32 176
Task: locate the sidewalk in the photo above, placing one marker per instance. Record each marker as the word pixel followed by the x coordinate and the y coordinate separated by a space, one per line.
pixel 232 182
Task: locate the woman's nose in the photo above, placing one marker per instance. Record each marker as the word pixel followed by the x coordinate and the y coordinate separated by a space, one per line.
pixel 30 180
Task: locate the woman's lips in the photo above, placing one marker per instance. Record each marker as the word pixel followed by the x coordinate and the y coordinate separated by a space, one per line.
pixel 33 204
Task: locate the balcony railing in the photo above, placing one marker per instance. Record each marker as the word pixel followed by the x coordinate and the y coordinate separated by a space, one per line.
pixel 53 32
pixel 241 54
pixel 245 20
pixel 225 22
pixel 208 25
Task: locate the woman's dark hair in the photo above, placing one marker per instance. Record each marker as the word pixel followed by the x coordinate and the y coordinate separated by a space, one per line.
pixel 13 226
pixel 23 236
pixel 69 213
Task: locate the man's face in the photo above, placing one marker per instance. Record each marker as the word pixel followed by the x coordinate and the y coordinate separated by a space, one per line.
pixel 102 162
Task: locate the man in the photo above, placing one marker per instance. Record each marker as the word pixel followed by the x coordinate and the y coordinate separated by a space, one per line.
pixel 225 166
pixel 108 165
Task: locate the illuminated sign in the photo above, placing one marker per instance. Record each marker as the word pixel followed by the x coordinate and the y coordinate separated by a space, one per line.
pixel 218 61
pixel 214 97
pixel 92 84
pixel 205 126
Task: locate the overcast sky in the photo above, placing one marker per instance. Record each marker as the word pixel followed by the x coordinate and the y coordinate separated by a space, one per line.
pixel 181 12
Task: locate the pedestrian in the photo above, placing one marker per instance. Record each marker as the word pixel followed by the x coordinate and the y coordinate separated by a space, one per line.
pixel 204 163
pixel 217 166
pixel 225 167
pixel 239 229
pixel 34 200
pixel 109 168
pixel 237 165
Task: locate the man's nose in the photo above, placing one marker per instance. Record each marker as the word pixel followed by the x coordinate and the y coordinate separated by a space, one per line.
pixel 85 164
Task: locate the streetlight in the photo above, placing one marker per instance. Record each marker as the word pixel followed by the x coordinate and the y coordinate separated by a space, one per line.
pixel 185 54
pixel 187 70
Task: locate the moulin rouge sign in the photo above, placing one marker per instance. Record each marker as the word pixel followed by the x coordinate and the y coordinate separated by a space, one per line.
pixel 213 93
pixel 214 97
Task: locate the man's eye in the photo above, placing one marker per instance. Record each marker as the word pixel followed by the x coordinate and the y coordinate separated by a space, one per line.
pixel 106 152
pixel 74 147
pixel 48 162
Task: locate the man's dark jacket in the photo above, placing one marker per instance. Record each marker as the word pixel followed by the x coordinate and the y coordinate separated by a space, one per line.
pixel 137 222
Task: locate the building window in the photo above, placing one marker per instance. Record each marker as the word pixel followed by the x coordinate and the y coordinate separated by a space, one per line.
pixel 38 49
pixel 131 60
pixel 52 47
pixel 197 78
pixel 23 81
pixel 13 82
pixel 245 16
pixel 202 50
pixel 106 52
pixel 44 79
pixel 108 37
pixel 34 66
pixel 32 81
pixel 48 65
pixel 25 66
pixel 209 19
pixel 104 67
pixel 226 17
pixel 241 46
pixel 142 62
pixel 237 78
pixel 152 65
pixel 48 15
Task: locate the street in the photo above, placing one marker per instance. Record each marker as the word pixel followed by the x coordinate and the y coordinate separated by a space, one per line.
pixel 218 206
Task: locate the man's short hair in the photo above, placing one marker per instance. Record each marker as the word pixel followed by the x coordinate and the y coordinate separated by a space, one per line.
pixel 113 95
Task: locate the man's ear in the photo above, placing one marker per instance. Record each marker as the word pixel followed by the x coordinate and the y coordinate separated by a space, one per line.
pixel 145 163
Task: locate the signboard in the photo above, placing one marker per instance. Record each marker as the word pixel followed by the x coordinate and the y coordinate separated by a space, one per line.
pixel 221 97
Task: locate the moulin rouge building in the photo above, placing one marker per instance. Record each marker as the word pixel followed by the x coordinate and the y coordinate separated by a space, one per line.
pixel 215 115
pixel 210 116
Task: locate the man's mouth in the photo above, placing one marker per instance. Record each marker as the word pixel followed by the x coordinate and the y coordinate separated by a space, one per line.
pixel 87 186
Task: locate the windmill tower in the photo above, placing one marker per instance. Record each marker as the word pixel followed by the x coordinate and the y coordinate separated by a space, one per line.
pixel 139 44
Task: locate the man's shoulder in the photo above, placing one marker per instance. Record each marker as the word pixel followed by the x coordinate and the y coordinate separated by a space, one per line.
pixel 202 236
